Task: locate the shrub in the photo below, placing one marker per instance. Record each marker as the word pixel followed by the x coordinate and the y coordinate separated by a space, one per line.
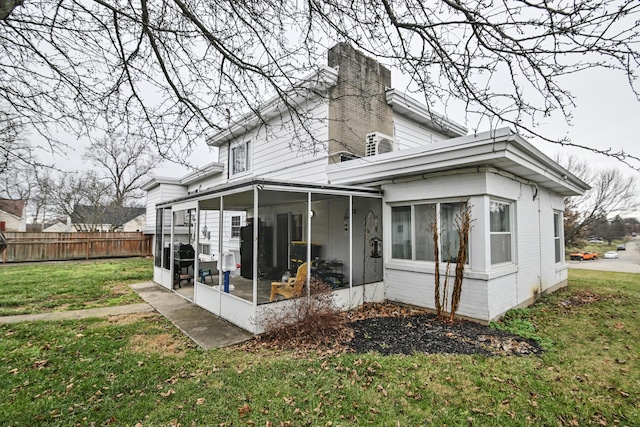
pixel 309 320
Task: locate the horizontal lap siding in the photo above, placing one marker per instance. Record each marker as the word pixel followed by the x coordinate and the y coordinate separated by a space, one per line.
pixel 288 155
pixel 409 133
pixel 160 194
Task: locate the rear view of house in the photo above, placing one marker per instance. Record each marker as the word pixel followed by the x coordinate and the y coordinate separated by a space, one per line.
pixel 351 184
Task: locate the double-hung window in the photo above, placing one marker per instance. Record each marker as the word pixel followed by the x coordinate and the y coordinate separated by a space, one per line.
pixel 235 226
pixel 413 226
pixel 557 236
pixel 240 158
pixel 500 230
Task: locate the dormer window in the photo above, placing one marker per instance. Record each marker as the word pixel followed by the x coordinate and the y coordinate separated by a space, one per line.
pixel 240 158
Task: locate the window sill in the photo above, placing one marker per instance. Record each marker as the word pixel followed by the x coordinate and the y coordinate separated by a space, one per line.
pixel 240 174
pixel 429 268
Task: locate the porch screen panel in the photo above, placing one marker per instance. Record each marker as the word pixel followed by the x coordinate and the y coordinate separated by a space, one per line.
pixel 330 238
pixel 158 246
pixel 367 228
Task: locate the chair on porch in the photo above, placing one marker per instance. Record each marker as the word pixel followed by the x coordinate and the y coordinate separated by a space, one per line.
pixel 293 286
pixel 203 275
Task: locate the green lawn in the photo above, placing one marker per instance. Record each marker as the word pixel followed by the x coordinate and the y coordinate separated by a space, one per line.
pixel 42 287
pixel 139 370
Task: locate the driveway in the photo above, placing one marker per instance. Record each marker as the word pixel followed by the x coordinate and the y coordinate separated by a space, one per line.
pixel 628 261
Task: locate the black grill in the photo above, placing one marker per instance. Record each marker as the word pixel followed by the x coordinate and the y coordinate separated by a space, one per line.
pixel 183 258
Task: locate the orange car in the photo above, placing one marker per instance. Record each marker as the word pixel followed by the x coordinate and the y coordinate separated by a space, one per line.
pixel 583 255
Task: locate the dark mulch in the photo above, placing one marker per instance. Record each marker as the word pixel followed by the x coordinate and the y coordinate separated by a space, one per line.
pixel 424 333
pixel 395 329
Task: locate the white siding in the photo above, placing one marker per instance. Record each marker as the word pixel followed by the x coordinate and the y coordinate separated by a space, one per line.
pixel 280 152
pixel 159 194
pixel 13 223
pixel 488 290
pixel 408 133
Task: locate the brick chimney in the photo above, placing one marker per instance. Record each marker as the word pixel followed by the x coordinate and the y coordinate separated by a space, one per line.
pixel 357 103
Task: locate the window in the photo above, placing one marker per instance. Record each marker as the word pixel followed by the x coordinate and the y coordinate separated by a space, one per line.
pixel 235 226
pixel 240 158
pixel 401 232
pixel 500 230
pixel 557 236
pixel 205 249
pixel 412 231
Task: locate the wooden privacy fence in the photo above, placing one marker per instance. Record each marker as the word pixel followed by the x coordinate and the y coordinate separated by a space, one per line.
pixel 66 246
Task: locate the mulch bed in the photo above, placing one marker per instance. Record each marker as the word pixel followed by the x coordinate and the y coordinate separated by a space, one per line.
pixel 424 333
pixel 395 329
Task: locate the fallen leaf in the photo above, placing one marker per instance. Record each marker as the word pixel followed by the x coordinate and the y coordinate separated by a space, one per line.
pixel 244 410
pixel 168 393
pixel 200 401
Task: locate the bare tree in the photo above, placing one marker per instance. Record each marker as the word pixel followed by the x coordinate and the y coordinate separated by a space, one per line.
pixel 173 70
pixel 612 193
pixel 82 197
pixel 125 163
pixel 16 155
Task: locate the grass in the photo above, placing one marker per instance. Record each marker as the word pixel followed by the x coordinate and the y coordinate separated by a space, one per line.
pixel 37 288
pixel 139 370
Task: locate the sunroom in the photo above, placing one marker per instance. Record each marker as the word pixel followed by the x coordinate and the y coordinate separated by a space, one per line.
pixel 233 249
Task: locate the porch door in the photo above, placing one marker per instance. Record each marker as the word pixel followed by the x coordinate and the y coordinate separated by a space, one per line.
pixel 282 242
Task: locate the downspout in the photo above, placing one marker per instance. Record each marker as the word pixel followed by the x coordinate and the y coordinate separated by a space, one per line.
pixel 537 195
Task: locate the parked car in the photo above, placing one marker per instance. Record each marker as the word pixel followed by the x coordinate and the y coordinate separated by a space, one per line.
pixel 611 255
pixel 583 255
pixel 622 247
pixel 598 241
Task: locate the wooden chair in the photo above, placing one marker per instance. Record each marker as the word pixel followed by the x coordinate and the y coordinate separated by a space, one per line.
pixel 292 287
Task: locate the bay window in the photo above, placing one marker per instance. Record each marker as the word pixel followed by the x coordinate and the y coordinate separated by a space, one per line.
pixel 412 231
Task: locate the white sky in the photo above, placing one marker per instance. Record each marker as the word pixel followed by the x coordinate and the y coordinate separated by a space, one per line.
pixel 607 115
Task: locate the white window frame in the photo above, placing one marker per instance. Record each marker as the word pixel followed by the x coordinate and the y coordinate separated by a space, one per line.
pixel 239 166
pixel 236 223
pixel 205 249
pixel 558 236
pixel 412 223
pixel 507 233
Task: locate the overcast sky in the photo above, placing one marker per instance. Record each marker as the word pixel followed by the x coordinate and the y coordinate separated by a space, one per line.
pixel 607 115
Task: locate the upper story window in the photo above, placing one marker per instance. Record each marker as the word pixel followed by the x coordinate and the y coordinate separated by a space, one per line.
pixel 413 228
pixel 500 230
pixel 240 158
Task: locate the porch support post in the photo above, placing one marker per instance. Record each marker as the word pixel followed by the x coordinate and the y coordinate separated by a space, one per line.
pixel 256 254
pixel 350 250
pixel 309 260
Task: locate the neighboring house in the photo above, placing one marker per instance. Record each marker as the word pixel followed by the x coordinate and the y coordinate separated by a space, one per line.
pixel 104 218
pixel 13 215
pixel 59 227
pixel 378 171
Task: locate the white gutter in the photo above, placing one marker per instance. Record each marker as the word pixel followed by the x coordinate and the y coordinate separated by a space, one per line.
pixel 404 104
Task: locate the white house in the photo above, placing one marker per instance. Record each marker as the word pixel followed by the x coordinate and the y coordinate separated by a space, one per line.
pixel 376 171
pixel 13 215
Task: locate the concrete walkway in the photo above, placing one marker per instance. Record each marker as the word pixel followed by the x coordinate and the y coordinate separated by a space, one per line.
pixel 204 328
